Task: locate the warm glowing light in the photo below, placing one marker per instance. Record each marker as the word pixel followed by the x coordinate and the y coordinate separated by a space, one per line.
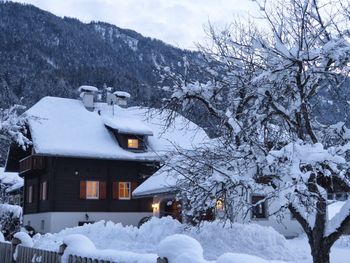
pixel 155 206
pixel 219 205
pixel 133 143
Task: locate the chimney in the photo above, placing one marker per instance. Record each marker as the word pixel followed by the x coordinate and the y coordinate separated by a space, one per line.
pixel 122 98
pixel 87 94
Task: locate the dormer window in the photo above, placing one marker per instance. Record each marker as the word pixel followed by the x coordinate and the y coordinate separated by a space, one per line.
pixel 133 143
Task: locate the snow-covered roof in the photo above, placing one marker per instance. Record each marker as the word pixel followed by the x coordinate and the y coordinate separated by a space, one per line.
pixel 63 127
pixel 163 181
pixel 12 180
pixel 125 126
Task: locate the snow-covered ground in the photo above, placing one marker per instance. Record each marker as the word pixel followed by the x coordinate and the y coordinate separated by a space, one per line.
pixel 215 239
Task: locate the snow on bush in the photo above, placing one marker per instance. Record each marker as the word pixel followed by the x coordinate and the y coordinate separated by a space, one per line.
pixel 181 249
pixel 80 245
pixel 215 238
pixel 10 219
pixel 25 239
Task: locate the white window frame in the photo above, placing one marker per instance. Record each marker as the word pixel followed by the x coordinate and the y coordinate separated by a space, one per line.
pixel 128 184
pixel 97 190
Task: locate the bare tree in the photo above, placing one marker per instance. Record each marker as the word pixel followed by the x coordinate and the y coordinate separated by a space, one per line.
pixel 266 84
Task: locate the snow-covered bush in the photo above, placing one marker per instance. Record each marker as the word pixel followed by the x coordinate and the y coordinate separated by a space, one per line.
pixel 10 220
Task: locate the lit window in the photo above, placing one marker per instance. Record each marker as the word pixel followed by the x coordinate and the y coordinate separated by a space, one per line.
pixel 259 209
pixel 133 143
pixel 30 194
pixel 219 205
pixel 92 188
pixel 44 191
pixel 124 190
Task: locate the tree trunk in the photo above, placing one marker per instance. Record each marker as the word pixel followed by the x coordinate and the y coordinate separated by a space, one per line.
pixel 320 252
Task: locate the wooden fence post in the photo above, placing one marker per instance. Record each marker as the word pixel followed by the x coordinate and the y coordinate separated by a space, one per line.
pixel 15 242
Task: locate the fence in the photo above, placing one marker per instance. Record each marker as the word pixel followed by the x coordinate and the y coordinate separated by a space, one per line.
pixel 5 252
pixel 28 254
pixel 76 259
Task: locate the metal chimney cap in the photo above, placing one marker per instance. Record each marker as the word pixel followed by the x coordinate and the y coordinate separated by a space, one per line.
pixel 122 94
pixel 86 88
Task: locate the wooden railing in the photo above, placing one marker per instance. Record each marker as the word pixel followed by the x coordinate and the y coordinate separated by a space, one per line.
pixel 27 254
pixel 77 259
pixel 32 162
pixel 5 252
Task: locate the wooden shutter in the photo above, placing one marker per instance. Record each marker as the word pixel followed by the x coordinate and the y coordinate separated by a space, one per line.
pixel 115 190
pixel 82 189
pixel 133 187
pixel 102 190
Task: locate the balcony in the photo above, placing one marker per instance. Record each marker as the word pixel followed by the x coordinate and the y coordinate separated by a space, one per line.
pixel 31 163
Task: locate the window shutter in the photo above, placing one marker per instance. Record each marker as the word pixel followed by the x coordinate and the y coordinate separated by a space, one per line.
pixel 133 187
pixel 82 189
pixel 115 190
pixel 102 190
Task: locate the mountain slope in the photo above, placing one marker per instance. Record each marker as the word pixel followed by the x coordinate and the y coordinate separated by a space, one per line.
pixel 42 54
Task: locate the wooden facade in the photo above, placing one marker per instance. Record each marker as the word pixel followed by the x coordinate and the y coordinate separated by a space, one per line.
pixel 63 177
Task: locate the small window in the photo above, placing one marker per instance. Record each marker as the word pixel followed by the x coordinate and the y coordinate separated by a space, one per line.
pixel 133 143
pixel 43 191
pixel 124 190
pixel 92 189
pixel 259 207
pixel 30 194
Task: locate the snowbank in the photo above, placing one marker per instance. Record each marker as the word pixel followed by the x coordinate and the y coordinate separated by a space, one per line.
pixel 26 240
pixel 214 238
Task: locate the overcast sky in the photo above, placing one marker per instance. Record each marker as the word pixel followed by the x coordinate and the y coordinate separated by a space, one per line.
pixel 178 22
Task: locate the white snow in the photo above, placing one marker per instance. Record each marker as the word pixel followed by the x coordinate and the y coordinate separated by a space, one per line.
pixel 163 181
pixel 125 126
pixel 339 211
pixel 63 127
pixel 6 209
pixel 2 238
pixel 241 243
pixel 26 240
pixel 12 180
pixel 215 238
pixel 122 94
pixel 87 88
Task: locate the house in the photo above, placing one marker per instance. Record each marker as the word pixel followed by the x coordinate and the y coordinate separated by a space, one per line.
pixel 161 186
pixel 87 157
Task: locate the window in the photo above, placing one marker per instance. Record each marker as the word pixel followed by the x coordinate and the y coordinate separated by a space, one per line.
pixel 124 190
pixel 133 143
pixel 43 191
pixel 30 194
pixel 92 189
pixel 259 207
